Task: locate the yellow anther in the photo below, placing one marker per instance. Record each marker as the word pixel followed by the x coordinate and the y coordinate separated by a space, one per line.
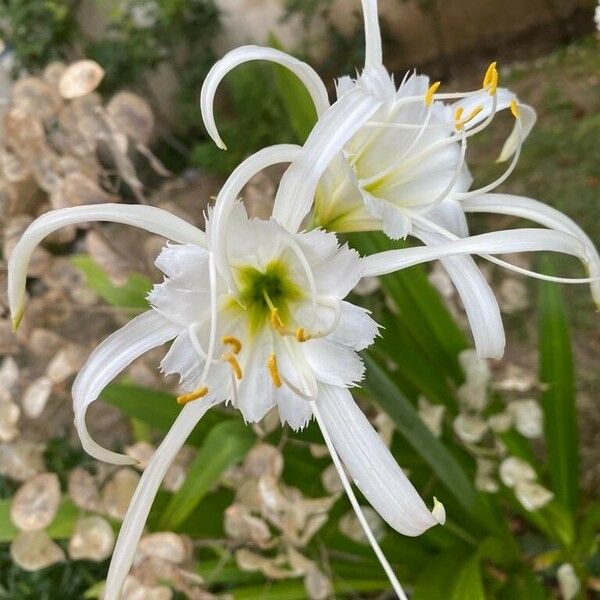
pixel 489 74
pixel 187 398
pixel 433 88
pixel 274 371
pixel 458 118
pixel 277 323
pixel 236 345
pixel 235 365
pixel 490 81
pixel 301 335
pixel 472 114
pixel 514 109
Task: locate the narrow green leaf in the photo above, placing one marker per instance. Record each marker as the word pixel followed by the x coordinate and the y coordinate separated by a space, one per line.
pixel 295 98
pixel 558 398
pixel 439 576
pixel 469 584
pixel 225 445
pixel 422 312
pixel 158 409
pixel 131 295
pixel 383 391
pixel 524 585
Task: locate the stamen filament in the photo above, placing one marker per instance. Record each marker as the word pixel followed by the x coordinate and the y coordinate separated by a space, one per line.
pixel 233 362
pixel 187 398
pixel 274 371
pixel 277 323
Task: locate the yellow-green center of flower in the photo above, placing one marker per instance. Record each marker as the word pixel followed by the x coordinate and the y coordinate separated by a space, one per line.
pixel 263 291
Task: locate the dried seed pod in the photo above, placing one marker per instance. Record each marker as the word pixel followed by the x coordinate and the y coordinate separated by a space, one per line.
pixel 93 539
pixel 132 116
pixel 166 546
pixel 513 470
pixel 83 490
pixel 36 97
pixel 34 550
pixel 350 526
pixel 117 493
pixel 21 460
pixel 80 79
pixel 36 396
pixel 263 459
pixel 9 417
pixel 36 502
pixel 317 585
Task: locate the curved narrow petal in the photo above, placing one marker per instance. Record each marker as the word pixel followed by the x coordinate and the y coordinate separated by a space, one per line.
pixel 450 215
pixel 538 212
pixel 373 51
pixel 307 75
pixel 496 242
pixel 139 508
pixel 281 153
pixel 298 185
pixel 150 218
pixel 371 465
pixel 520 131
pixel 477 297
pixel 116 352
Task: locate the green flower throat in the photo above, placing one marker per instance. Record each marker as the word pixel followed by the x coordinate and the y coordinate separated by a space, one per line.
pixel 260 292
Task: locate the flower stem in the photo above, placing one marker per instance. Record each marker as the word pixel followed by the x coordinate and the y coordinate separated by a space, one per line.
pixel 356 506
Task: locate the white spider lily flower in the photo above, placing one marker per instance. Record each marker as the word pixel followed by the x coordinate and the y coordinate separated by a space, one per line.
pixel 393 158
pixel 257 317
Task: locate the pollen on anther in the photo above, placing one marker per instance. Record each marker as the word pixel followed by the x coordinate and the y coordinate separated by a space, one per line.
pixel 301 335
pixel 234 364
pixel 458 123
pixel 187 398
pixel 514 109
pixel 274 371
pixel 236 345
pixel 433 88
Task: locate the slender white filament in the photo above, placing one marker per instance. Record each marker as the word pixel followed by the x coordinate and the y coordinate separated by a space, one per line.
pixel 356 506
pixel 212 340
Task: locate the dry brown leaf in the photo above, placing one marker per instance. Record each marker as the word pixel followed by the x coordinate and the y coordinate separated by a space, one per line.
pixel 131 115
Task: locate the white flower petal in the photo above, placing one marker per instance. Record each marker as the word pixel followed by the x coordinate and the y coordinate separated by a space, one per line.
pixel 356 327
pixel 293 410
pixel 218 230
pixel 521 130
pixel 371 465
pixel 373 52
pixel 496 242
pixel 307 75
pixel 477 297
pixel 334 363
pixel 538 212
pixel 149 218
pixel 139 508
pixel 450 215
pixel 114 354
pixel 336 126
pixel 255 390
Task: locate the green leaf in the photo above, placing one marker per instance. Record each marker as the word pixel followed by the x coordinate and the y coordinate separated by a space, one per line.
pixel 131 295
pixel 422 312
pixel 558 398
pixel 295 98
pixel 469 584
pixel 439 575
pixel 383 391
pixel 158 409
pixel 295 590
pixel 225 445
pixel 524 585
